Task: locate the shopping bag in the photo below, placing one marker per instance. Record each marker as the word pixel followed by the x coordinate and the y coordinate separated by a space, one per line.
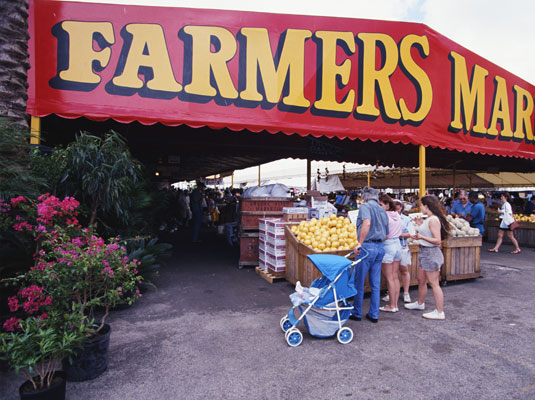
pixel 406 258
pixel 514 225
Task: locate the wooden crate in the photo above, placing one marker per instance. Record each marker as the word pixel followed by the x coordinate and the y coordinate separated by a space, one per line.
pixel 249 219
pixel 413 269
pixel 461 258
pixel 298 266
pixel 265 204
pixel 248 249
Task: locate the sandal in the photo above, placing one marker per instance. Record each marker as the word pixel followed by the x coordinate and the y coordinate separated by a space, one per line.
pixel 493 250
pixel 517 251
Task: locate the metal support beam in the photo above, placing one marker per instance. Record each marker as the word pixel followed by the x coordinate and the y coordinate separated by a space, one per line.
pixel 309 174
pixel 259 176
pixel 35 130
pixel 422 172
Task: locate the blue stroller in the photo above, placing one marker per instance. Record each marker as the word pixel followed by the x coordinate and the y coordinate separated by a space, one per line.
pixel 325 313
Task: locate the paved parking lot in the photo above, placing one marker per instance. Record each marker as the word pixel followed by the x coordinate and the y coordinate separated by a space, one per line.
pixel 212 331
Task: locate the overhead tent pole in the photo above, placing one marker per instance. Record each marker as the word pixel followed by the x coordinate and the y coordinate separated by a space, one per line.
pixel 232 181
pixel 454 172
pixel 35 130
pixel 309 174
pixel 369 173
pixel 422 173
pixel 259 175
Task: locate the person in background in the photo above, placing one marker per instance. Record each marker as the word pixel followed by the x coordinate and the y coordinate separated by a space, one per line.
pixel 372 229
pixel 476 216
pixel 506 215
pixel 392 257
pixel 196 205
pixel 530 206
pixel 430 258
pixel 405 261
pixel 461 206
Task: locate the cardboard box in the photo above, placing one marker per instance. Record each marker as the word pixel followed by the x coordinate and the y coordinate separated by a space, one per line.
pixel 275 267
pixel 276 249
pixel 275 226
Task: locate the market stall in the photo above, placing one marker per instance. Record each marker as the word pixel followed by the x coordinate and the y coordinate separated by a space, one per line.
pixel 200 92
pixel 525 234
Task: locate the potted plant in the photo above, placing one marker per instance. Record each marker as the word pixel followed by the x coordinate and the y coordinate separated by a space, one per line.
pixel 78 269
pixel 96 276
pixel 37 338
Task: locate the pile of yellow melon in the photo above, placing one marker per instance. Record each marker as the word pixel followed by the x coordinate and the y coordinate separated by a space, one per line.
pixel 524 218
pixel 327 234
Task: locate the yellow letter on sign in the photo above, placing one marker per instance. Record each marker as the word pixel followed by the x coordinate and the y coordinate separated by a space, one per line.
pixel 330 71
pixel 148 49
pixel 81 54
pixel 417 76
pixel 468 96
pixel 500 111
pixel 291 67
pixel 204 61
pixel 370 77
pixel 524 108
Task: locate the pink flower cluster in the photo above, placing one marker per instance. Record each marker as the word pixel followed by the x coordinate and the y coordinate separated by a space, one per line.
pixel 51 206
pixel 4 207
pixel 16 200
pixel 11 324
pixel 33 299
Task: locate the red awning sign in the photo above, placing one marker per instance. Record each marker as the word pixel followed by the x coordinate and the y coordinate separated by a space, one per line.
pixel 335 77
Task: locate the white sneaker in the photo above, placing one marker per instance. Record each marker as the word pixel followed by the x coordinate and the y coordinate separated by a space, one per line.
pixel 386 298
pixel 406 298
pixel 392 310
pixel 434 315
pixel 415 306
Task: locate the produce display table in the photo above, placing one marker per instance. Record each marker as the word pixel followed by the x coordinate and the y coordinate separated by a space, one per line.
pixel 461 260
pixel 525 234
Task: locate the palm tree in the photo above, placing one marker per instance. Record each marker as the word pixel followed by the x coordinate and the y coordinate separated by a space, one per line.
pixel 14 60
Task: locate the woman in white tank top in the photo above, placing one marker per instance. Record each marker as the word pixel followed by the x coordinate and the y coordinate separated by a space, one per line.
pixel 430 258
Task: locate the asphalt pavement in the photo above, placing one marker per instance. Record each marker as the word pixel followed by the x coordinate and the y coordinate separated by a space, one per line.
pixel 211 331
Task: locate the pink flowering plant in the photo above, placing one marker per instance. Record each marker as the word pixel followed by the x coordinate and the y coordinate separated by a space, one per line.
pixel 40 335
pixel 88 271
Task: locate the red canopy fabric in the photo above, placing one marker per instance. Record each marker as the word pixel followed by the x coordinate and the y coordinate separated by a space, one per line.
pixel 335 77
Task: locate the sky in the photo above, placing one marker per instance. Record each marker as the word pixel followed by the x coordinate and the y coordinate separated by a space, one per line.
pixel 502 31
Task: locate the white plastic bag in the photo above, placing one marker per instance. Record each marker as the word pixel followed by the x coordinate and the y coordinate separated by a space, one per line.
pixel 406 258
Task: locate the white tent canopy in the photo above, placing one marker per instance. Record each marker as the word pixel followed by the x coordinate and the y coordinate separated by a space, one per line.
pixel 328 184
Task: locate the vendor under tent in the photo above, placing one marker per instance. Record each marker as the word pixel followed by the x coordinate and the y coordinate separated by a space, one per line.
pixel 200 92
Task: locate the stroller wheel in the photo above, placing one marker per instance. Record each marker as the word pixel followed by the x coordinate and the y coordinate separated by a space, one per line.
pixel 285 323
pixel 294 337
pixel 345 335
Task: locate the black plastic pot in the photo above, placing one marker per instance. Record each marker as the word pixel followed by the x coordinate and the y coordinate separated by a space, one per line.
pixel 91 360
pixel 56 391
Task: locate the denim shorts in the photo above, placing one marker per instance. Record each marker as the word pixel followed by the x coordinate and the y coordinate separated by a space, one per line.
pixel 430 258
pixel 392 250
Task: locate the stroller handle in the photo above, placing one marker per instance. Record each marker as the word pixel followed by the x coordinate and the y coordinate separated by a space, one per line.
pixel 363 253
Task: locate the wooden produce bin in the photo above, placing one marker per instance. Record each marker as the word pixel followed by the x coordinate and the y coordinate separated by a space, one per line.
pixel 525 234
pixel 298 266
pixel 413 269
pixel 461 258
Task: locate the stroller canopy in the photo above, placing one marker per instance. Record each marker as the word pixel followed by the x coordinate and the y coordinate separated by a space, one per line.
pixel 329 265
